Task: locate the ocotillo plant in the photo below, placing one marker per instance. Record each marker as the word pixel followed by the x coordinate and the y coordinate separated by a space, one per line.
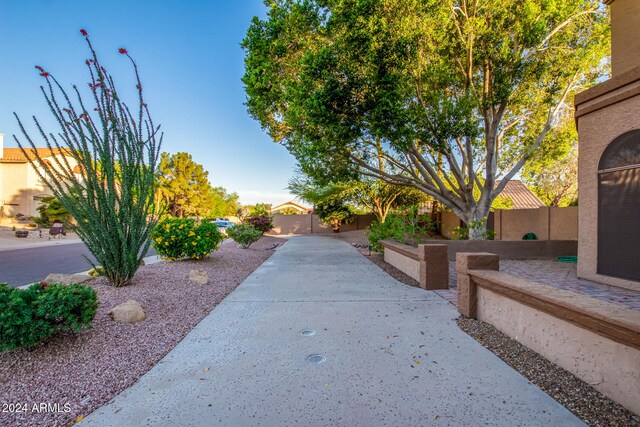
pixel 109 189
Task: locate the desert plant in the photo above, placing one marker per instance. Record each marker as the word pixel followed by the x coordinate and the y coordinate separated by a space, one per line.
pixel 178 238
pixel 103 166
pixel 244 234
pixel 262 223
pixel 30 316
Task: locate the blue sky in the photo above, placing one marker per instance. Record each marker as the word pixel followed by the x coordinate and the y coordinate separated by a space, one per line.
pixel 190 61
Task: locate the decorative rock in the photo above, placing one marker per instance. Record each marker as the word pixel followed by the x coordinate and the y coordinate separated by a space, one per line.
pixel 127 312
pixel 66 279
pixel 201 277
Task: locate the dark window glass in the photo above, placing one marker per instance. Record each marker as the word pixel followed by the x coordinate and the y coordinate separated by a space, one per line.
pixel 619 208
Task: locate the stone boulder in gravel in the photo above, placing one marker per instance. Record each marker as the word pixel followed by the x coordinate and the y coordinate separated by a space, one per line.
pixel 201 277
pixel 66 279
pixel 127 312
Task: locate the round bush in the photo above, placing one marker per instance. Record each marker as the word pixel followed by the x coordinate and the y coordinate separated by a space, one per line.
pixel 177 238
pixel 244 234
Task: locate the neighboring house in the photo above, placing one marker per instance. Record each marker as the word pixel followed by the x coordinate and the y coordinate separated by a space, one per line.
pixel 520 195
pixel 290 206
pixel 20 187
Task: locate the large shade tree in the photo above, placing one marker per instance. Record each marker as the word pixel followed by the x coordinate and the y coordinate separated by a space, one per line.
pixel 458 94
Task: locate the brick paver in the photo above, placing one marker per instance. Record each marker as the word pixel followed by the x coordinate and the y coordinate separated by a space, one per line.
pixel 554 273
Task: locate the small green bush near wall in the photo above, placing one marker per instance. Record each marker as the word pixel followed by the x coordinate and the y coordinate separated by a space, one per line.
pixel 244 234
pixel 407 226
pixel 30 316
pixel 392 229
pixel 177 238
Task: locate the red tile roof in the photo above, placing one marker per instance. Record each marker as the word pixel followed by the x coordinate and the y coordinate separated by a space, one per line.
pixel 15 155
pixel 520 195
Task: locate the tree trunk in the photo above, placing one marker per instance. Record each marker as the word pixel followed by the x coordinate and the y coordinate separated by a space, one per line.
pixel 477 222
pixel 478 233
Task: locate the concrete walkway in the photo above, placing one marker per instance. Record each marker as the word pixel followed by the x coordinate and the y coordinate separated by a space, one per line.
pixel 394 356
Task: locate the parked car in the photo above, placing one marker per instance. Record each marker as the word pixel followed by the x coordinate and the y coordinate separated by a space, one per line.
pixel 223 225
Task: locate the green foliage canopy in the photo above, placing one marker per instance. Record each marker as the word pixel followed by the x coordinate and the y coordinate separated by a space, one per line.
pixel 457 94
pixel 184 187
pixel 373 195
pixel 552 174
pixel 52 210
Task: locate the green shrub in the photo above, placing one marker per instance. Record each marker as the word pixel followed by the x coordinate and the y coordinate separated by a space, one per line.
pixel 177 238
pixel 408 226
pixel 460 233
pixel 30 316
pixel 391 229
pixel 244 234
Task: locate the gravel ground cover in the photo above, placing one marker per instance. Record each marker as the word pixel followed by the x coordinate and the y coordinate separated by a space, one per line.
pixel 75 374
pixel 591 406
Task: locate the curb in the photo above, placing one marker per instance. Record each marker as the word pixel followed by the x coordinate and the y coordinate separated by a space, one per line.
pixel 147 261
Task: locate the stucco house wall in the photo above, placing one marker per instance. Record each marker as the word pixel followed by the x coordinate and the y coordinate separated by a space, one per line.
pixel 20 186
pixel 603 113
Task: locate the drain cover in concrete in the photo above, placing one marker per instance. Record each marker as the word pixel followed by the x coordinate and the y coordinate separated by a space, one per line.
pixel 316 359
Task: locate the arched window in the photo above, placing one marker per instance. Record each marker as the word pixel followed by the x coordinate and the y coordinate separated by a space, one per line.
pixel 619 208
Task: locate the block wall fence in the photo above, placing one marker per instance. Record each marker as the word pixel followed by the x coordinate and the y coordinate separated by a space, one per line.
pixel 548 223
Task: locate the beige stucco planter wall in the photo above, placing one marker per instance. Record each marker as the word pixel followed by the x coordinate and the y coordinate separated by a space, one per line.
pixel 428 264
pixel 596 341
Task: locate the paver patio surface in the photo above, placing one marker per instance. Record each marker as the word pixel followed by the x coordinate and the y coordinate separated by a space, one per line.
pixel 394 356
pixel 557 274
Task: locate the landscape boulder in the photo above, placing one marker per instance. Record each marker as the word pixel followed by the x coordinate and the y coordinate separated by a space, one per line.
pixel 66 279
pixel 201 277
pixel 127 312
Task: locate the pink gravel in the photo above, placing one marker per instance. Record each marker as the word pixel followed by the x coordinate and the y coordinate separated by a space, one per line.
pixel 86 370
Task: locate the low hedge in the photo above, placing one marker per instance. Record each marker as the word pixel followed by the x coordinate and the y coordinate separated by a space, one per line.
pixel 30 316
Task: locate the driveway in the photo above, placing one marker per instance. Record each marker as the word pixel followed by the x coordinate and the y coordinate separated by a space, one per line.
pixel 393 356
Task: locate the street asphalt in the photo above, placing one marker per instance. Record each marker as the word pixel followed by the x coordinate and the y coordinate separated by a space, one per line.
pixel 390 355
pixel 22 266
